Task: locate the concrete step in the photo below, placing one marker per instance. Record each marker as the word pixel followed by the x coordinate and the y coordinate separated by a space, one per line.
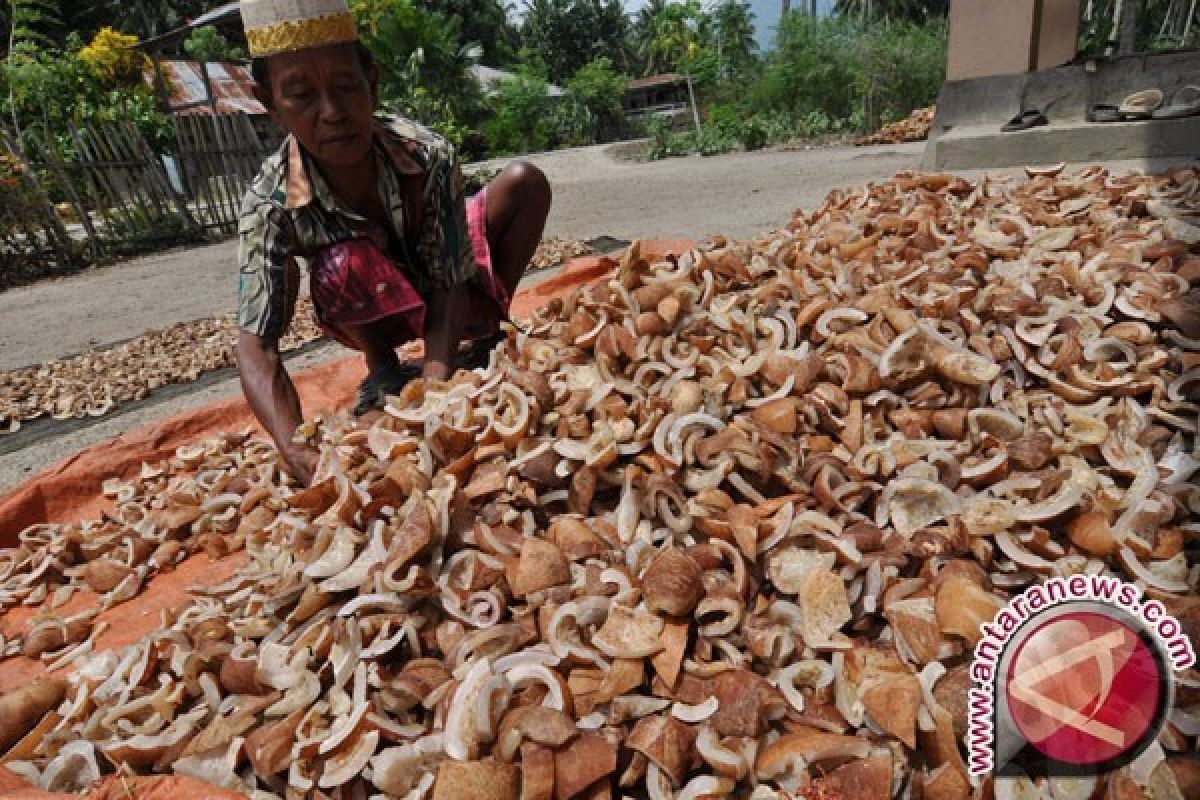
pixel 986 146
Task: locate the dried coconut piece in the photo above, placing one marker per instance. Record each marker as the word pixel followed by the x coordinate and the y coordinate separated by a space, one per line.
pixel 789 567
pixel 824 606
pixel 589 758
pixel 866 779
pixel 962 606
pixel 672 583
pixel 804 747
pixel 668 663
pixel 479 780
pixel 665 741
pixel 537 772
pixel 542 565
pixel 628 633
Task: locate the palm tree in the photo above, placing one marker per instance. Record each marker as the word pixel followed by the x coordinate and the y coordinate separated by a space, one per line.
pixel 643 30
pixel 733 24
pixel 674 35
pixel 913 10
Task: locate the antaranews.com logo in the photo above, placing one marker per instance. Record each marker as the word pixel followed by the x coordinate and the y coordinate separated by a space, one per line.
pixel 1072 677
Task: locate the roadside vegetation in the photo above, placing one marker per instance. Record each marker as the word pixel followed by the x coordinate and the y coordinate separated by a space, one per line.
pixel 842 73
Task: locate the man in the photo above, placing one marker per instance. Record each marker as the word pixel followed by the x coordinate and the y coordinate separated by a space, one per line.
pixel 376 208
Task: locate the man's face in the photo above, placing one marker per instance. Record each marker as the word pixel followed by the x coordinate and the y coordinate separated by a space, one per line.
pixel 326 99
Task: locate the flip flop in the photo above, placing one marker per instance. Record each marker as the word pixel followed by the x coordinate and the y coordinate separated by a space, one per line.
pixel 1102 112
pixel 1185 103
pixel 1025 120
pixel 1140 105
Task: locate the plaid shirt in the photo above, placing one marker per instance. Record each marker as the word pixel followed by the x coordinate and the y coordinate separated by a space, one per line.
pixel 289 212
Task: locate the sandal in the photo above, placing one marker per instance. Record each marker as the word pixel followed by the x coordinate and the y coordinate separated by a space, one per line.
pixel 1025 120
pixel 1141 105
pixel 478 354
pixel 1102 112
pixel 374 391
pixel 1185 103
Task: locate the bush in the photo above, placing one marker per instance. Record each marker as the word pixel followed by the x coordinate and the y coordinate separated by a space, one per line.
pixel 593 108
pixel 208 45
pixel 523 119
pixel 841 67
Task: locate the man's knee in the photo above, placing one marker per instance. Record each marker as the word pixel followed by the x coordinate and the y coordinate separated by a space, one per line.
pixel 529 182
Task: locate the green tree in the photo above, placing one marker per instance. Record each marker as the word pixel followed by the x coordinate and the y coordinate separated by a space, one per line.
pixel 847 70
pixel 207 44
pixel 484 22
pixel 594 97
pixel 522 115
pixel 917 11
pixel 674 36
pixel 38 22
pixel 642 31
pixel 570 33
pixel 142 18
pixel 425 69
pixel 732 33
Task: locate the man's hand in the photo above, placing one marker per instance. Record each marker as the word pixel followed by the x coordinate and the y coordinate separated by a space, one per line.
pixel 442 333
pixel 301 462
pixel 274 401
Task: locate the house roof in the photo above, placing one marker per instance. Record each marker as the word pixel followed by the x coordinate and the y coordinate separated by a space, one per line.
pixel 490 78
pixel 665 79
pixel 232 87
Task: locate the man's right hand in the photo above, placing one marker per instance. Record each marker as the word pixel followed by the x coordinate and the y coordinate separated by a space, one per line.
pixel 301 462
pixel 274 401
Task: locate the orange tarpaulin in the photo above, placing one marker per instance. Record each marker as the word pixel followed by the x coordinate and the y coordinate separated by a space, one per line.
pixel 71 491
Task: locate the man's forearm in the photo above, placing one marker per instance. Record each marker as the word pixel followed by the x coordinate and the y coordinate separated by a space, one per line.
pixel 269 390
pixel 441 333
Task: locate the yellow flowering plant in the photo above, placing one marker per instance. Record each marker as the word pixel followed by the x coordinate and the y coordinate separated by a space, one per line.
pixel 112 57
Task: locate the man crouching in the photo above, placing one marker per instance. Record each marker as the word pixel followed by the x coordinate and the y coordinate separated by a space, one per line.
pixel 376 207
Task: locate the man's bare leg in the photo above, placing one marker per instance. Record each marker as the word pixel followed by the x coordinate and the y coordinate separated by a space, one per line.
pixel 518 202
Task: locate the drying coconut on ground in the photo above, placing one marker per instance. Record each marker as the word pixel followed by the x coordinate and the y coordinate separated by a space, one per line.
pixel 724 525
pixel 913 128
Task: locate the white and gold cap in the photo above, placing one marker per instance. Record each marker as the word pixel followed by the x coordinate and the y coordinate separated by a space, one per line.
pixel 284 26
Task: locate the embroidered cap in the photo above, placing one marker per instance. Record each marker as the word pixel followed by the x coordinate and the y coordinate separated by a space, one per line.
pixel 284 26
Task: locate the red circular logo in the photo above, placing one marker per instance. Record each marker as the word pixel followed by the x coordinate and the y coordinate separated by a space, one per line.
pixel 1085 689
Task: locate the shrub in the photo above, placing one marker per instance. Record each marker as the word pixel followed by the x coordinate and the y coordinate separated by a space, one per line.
pixel 207 44
pixel 593 105
pixel 841 66
pixel 523 115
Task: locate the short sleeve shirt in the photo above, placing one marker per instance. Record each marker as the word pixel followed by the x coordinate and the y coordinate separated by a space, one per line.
pixel 289 213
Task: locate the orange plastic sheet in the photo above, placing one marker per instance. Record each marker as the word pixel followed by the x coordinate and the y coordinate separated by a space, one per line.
pixel 71 491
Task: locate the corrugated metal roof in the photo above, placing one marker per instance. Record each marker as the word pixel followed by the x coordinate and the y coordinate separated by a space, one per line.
pixel 666 79
pixel 489 78
pixel 232 86
pixel 216 14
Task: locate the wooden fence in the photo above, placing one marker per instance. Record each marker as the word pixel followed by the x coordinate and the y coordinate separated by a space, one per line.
pixel 219 156
pixel 113 195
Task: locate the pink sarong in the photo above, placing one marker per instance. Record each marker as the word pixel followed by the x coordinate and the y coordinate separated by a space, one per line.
pixel 355 284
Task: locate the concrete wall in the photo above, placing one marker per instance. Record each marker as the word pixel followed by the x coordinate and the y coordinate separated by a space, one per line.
pixel 1008 37
pixel 966 131
pixel 1058 33
pixel 989 38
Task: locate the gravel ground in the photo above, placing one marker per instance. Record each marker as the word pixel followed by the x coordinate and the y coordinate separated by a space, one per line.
pixel 739 195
